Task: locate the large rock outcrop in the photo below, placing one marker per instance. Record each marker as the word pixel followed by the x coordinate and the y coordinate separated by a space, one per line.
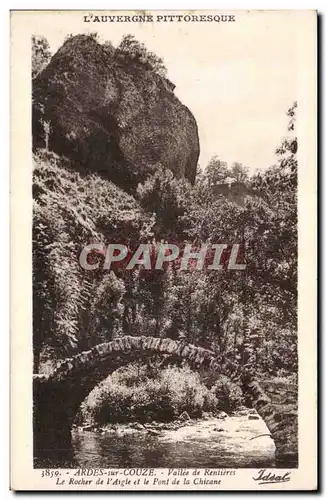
pixel 112 115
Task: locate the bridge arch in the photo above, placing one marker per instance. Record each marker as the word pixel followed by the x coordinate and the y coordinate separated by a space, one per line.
pixel 58 396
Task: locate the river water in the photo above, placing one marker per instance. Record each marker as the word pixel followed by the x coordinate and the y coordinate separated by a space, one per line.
pixel 231 443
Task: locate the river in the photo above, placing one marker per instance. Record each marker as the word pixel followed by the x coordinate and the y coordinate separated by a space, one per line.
pixel 214 443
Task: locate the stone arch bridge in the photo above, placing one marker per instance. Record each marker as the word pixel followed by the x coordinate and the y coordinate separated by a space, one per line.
pixel 58 395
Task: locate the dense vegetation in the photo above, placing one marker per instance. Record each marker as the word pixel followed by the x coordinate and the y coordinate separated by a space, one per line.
pixel 133 50
pixel 249 317
pixel 146 393
pixel 41 54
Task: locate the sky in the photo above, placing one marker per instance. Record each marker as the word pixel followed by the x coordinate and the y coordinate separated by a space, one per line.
pixel 238 78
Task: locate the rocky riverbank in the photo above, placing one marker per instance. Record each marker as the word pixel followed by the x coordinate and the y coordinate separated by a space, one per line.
pixel 241 439
pixel 244 421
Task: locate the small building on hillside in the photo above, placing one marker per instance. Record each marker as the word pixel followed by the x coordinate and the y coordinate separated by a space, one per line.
pixel 234 191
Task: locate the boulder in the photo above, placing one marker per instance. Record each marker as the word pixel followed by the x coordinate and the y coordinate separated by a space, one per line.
pixel 112 116
pixel 207 415
pixel 160 425
pixel 137 426
pixel 89 427
pixel 184 417
pixel 241 413
pixel 170 426
pixel 153 432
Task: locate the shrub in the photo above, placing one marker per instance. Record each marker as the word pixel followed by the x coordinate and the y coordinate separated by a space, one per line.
pixel 131 394
pixel 185 389
pixel 228 394
pixel 134 49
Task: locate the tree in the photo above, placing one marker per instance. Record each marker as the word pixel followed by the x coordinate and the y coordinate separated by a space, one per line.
pixel 41 54
pixel 239 172
pixel 137 51
pixel 109 48
pixel 170 199
pixel 216 171
pixel 272 237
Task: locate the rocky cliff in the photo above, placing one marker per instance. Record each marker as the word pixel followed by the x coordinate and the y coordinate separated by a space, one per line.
pixel 112 114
